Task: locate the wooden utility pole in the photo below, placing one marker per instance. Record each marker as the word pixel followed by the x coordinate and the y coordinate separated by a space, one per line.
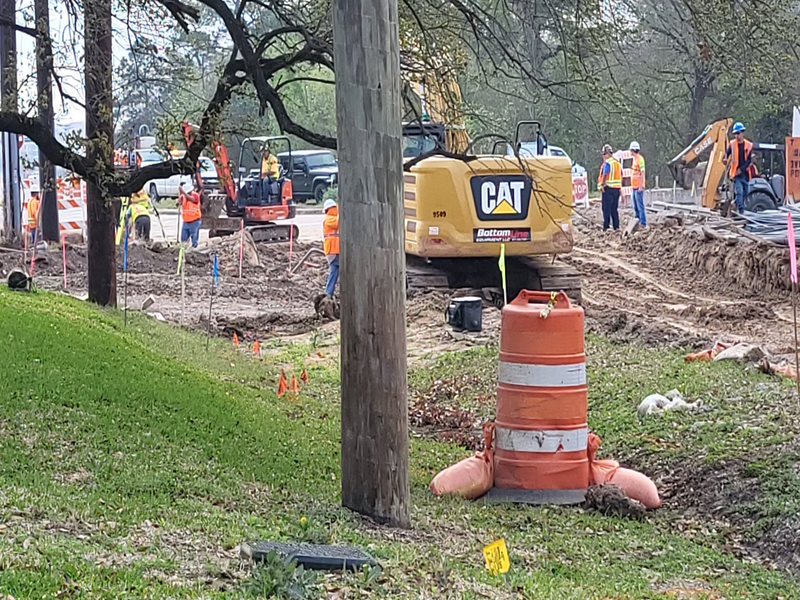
pixel 372 283
pixel 100 151
pixel 9 148
pixel 44 102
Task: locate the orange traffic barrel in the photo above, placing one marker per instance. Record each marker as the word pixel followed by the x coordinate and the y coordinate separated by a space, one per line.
pixel 541 431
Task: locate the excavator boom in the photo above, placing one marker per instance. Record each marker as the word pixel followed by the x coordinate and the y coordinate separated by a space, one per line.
pixel 714 138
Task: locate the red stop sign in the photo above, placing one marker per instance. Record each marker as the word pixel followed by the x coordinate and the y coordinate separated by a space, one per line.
pixel 580 189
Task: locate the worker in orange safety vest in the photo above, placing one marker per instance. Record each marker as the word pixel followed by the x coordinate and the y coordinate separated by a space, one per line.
pixel 638 179
pixel 330 243
pixel 33 216
pixel 191 215
pixel 739 158
pixel 610 182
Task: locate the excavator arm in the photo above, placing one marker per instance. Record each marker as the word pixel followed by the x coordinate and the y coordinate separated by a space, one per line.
pixel 221 161
pixel 715 139
pixel 439 103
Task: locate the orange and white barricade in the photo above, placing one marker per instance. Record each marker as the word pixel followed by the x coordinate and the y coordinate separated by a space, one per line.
pixel 71 195
pixel 625 158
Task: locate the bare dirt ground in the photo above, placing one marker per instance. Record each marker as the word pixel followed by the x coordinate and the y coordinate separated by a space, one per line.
pixel 669 286
pixel 266 302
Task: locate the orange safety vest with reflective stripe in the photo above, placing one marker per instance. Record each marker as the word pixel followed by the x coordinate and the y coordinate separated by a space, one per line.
pixel 637 172
pixel 330 231
pixel 33 211
pixel 190 207
pixel 614 180
pixel 733 149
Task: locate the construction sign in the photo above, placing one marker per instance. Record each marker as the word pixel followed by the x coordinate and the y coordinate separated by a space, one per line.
pixel 793 168
pixel 580 191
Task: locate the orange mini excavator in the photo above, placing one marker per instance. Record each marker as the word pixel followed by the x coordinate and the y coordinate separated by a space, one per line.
pixel 260 201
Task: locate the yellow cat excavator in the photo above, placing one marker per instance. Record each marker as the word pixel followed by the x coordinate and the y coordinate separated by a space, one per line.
pixel 458 212
pixel 691 169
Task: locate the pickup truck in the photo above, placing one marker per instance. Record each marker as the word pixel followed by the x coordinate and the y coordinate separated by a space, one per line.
pixel 168 187
pixel 313 172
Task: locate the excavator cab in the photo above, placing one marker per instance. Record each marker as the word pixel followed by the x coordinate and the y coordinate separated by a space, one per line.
pixel 257 187
pixel 768 184
pixel 420 137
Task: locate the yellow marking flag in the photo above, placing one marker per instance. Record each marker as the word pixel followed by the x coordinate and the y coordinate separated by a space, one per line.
pixel 180 260
pixel 501 263
pixel 496 555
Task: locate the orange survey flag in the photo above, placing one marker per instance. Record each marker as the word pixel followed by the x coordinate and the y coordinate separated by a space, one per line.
pixel 235 339
pixel 257 349
pixel 304 376
pixel 293 385
pixel 282 386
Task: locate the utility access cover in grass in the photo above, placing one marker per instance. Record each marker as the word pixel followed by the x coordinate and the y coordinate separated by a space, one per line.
pixel 311 556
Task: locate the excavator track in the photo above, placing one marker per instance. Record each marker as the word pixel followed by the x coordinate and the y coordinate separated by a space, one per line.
pixel 522 272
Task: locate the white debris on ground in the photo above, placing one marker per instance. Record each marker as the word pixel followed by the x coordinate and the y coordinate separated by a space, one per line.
pixel 673 400
pixel 747 353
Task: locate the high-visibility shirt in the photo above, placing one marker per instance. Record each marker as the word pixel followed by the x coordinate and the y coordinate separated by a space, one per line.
pixel 638 178
pixel 330 231
pixel 269 166
pixel 613 170
pixel 139 206
pixel 737 161
pixel 190 207
pixel 33 211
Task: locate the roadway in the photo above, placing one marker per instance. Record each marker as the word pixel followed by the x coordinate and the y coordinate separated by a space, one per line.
pixel 308 221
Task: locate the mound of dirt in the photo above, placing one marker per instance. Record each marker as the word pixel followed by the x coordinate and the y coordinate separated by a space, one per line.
pixel 726 266
pixel 623 327
pixel 610 500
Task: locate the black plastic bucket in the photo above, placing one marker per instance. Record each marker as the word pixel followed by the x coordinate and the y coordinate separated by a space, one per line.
pixel 465 314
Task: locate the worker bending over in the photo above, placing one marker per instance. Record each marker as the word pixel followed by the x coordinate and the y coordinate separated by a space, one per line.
pixel 191 215
pixel 330 243
pixel 638 184
pixel 136 214
pixel 33 216
pixel 739 158
pixel 610 182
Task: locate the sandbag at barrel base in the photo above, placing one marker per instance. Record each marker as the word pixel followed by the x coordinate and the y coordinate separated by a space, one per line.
pixel 472 477
pixel 637 486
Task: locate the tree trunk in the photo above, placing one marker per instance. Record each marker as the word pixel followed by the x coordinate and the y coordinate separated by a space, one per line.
pixel 12 202
pixel 699 92
pixel 527 11
pixel 44 98
pixel 100 132
pixel 373 341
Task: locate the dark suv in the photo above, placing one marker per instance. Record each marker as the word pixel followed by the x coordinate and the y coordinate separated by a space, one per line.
pixel 313 172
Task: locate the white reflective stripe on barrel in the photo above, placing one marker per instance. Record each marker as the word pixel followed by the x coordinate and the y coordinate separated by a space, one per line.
pixel 541 375
pixel 541 440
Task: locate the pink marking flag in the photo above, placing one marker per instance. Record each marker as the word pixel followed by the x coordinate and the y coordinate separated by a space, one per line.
pixel 792 247
pixel 241 247
pixel 291 240
pixel 64 258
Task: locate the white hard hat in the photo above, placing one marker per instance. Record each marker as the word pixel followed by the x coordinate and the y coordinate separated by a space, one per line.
pixel 635 146
pixel 329 203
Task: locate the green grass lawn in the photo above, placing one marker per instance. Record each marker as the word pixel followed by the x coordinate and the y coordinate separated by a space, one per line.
pixel 132 463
